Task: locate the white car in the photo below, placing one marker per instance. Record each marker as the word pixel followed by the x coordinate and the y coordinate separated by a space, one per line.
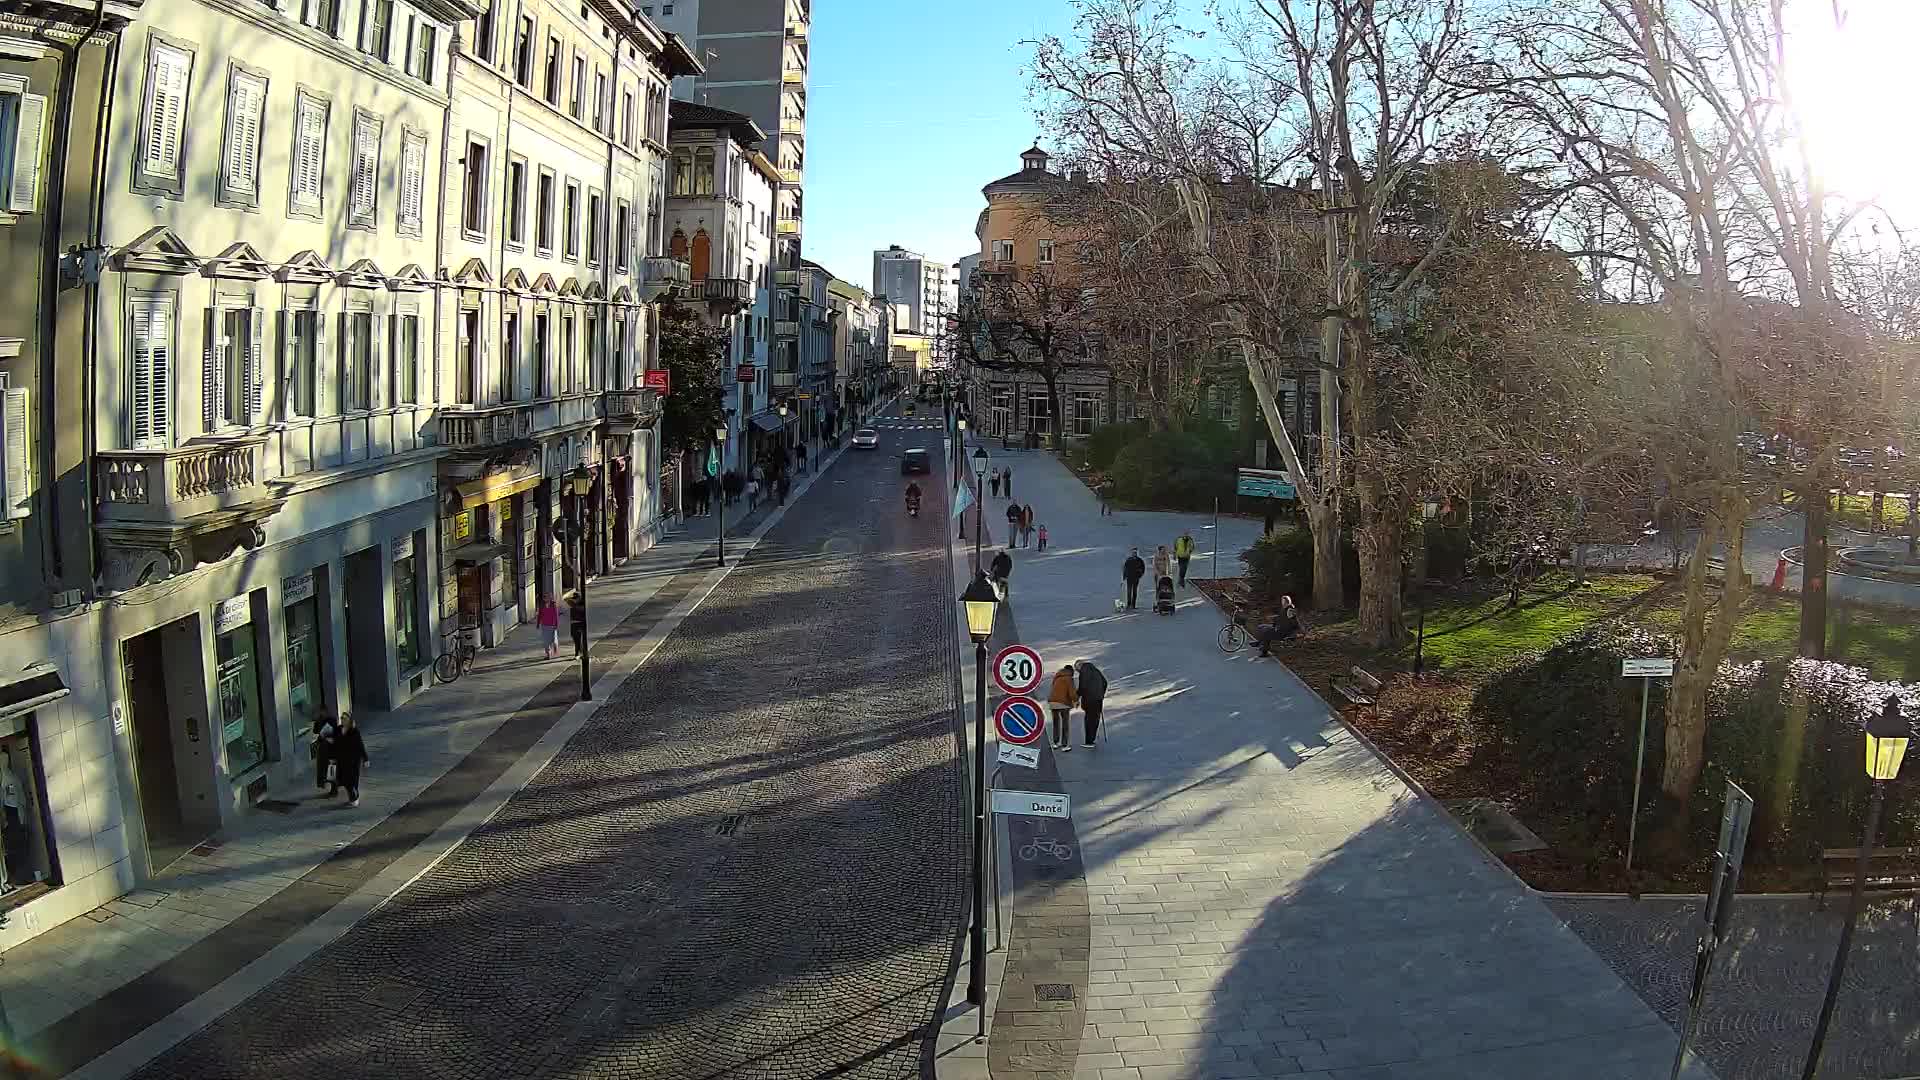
pixel 866 439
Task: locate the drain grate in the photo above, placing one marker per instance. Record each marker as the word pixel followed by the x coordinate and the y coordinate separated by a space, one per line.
pixel 730 824
pixel 1053 991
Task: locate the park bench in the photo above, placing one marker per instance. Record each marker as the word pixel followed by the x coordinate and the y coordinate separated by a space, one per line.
pixel 1888 869
pixel 1360 687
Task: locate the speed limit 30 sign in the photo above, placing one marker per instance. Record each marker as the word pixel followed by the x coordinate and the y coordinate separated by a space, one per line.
pixel 1016 669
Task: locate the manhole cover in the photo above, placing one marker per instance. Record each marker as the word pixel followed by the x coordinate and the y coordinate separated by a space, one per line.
pixel 1053 991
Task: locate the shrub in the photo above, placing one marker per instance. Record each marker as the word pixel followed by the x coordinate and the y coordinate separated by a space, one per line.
pixel 1280 563
pixel 1177 470
pixel 1099 449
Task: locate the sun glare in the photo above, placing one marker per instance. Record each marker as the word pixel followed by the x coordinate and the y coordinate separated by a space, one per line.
pixel 1849 82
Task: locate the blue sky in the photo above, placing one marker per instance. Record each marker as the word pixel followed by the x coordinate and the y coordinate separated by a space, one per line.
pixel 912 106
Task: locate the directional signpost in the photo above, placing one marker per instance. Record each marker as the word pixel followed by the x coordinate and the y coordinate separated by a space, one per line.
pixel 1032 804
pixel 1017 669
pixel 1646 669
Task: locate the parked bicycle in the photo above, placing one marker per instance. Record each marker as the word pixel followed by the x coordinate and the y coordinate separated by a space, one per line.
pixel 451 665
pixel 1236 635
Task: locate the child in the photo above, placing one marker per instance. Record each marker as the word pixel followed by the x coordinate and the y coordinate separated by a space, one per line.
pixel 753 494
pixel 1043 538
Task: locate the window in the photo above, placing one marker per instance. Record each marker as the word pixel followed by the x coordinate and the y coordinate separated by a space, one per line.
pixel 683 171
pixel 322 15
pixel 600 101
pixel 703 171
pixel 413 182
pixel 666 9
pixel 510 357
pixel 619 349
pixel 151 393
pixel 309 156
pixel 16 466
pixel 569 355
pixel 467 360
pixel 406 358
pixel 570 222
pixel 358 362
pixel 542 356
pixel 163 119
pixel 543 214
pixel 1003 251
pixel 364 198
pixel 420 52
pixel 406 605
pixel 376 27
pixel 306 337
pixel 596 227
pixel 1086 411
pixel 553 71
pixel 596 360
pixel 622 238
pixel 523 52
pixel 237 678
pixel 516 202
pixel 578 103
pixel 626 118
pixel 483 33
pixel 473 217
pixel 303 648
pixel 23 125
pixel 240 163
pixel 231 373
pixel 1046 251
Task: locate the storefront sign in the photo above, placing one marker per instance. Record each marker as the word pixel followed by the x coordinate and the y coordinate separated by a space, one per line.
pixel 403 547
pixel 660 380
pixel 231 614
pixel 746 373
pixel 296 588
pixel 463 526
pixel 506 512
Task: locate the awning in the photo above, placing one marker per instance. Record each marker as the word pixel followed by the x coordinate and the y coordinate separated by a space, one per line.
pixel 30 689
pixel 479 553
pixel 494 488
pixel 768 422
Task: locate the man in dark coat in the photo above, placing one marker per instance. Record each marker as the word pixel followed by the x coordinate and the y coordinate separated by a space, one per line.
pixel 1002 567
pixel 577 622
pixel 1133 570
pixel 350 751
pixel 1093 697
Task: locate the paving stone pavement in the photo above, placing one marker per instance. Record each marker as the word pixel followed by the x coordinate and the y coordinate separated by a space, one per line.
pixel 1265 897
pixel 1769 978
pixel 750 862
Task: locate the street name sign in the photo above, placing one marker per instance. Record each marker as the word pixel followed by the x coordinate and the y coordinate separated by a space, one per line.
pixel 1020 720
pixel 1015 754
pixel 1264 484
pixel 1017 669
pixel 1647 668
pixel 1031 804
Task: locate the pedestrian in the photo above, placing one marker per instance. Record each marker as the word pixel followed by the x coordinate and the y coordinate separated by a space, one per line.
pixel 1006 480
pixel 549 619
pixel 1133 570
pixel 349 755
pixel 1043 538
pixel 1061 700
pixel 783 485
pixel 1183 553
pixel 325 731
pixel 993 483
pixel 1026 525
pixel 1002 567
pixel 1093 697
pixel 753 494
pixel 577 622
pixel 1285 626
pixel 1013 524
pixel 1104 492
pixel 800 459
pixel 1162 563
pixel 715 492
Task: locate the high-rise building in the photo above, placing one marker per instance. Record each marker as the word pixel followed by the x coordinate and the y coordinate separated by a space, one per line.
pixel 928 289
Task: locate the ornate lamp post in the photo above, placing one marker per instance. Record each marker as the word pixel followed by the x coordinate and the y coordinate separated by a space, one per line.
pixel 720 439
pixel 979 489
pixel 582 482
pixel 981 604
pixel 959 448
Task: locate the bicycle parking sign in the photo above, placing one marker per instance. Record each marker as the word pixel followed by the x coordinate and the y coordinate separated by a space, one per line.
pixel 1016 669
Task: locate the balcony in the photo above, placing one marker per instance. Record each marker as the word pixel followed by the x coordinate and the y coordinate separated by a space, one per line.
pixel 786 328
pixel 663 274
pixel 479 430
pixel 788 227
pixel 628 410
pixel 727 294
pixel 793 77
pixel 797 29
pixel 789 176
pixel 163 512
pixel 785 380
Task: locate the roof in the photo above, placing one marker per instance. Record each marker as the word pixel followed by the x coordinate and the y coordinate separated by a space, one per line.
pixel 695 116
pixel 1024 182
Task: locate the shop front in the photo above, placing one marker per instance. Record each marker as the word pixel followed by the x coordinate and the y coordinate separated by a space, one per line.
pixel 488 549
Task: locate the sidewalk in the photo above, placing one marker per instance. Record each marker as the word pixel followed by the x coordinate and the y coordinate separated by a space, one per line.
pixel 82 988
pixel 1244 889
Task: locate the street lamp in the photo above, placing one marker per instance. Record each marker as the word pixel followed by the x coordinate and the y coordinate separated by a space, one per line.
pixel 1887 735
pixel 980 497
pixel 981 602
pixel 582 482
pixel 959 448
pixel 719 440
pixel 1428 511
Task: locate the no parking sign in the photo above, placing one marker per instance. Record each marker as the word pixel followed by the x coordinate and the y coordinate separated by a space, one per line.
pixel 1020 720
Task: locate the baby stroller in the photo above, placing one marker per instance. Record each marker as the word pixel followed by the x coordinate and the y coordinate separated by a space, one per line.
pixel 1163 596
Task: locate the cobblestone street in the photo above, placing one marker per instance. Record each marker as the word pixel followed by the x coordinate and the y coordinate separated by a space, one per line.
pixel 749 863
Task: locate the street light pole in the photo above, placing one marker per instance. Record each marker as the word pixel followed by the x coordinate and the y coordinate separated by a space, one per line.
pixel 720 438
pixel 582 485
pixel 981 604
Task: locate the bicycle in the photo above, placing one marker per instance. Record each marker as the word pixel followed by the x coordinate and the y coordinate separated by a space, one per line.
pixel 1236 635
pixel 451 665
pixel 1042 845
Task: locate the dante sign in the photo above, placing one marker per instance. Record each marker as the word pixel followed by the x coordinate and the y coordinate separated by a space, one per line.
pixel 1031 804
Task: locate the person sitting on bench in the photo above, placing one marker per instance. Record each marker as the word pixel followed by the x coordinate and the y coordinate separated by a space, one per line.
pixel 1285 625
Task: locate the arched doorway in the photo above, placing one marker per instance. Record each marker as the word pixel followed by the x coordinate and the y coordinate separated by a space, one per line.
pixel 702 254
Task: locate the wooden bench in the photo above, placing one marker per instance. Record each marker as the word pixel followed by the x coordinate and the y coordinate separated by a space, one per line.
pixel 1888 868
pixel 1361 687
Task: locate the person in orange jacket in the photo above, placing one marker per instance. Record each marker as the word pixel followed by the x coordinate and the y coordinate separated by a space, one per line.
pixel 1060 701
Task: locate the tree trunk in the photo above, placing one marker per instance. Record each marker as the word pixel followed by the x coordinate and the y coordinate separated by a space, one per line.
pixel 1776 811
pixel 1703 643
pixel 1813 581
pixel 1320 500
pixel 1329 585
pixel 1378 537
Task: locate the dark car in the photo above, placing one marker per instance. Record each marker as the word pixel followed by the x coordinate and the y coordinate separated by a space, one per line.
pixel 914 461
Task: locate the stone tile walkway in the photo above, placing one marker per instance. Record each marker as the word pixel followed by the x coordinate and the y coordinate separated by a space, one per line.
pixel 1262 895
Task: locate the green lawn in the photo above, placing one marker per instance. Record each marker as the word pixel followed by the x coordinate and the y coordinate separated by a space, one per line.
pixel 1484 635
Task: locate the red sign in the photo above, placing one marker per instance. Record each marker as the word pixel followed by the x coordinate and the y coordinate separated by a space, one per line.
pixel 746 373
pixel 1020 720
pixel 659 379
pixel 1017 669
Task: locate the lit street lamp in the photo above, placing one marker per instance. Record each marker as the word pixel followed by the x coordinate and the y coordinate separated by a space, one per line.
pixel 981 602
pixel 979 497
pixel 1887 734
pixel 582 481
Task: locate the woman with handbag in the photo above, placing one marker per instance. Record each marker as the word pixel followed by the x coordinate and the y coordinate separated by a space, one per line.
pixel 349 752
pixel 324 731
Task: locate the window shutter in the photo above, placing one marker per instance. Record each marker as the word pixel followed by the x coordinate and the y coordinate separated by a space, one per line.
pixel 213 373
pixel 322 364
pixel 374 379
pixel 243 140
pixel 166 111
pixel 413 165
pixel 288 366
pixel 310 149
pixel 16 484
pixel 256 367
pixel 25 195
pixel 152 372
pixel 366 165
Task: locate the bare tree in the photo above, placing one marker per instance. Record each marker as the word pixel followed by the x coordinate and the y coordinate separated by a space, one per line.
pixel 1030 320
